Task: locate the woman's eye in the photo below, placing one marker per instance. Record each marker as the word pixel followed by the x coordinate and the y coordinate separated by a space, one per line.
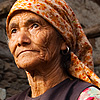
pixel 13 31
pixel 34 26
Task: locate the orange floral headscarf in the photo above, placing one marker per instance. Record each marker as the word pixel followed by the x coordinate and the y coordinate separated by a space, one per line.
pixel 61 16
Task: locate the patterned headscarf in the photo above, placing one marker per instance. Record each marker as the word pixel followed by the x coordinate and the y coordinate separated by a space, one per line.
pixel 61 16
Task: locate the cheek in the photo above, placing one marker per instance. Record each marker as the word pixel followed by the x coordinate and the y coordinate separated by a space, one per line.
pixel 41 38
pixel 11 45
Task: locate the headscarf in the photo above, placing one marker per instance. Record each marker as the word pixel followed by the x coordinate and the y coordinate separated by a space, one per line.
pixel 61 16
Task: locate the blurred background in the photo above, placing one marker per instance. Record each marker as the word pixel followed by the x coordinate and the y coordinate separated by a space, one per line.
pixel 12 79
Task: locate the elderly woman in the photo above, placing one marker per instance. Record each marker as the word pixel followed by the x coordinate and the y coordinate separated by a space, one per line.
pixel 48 42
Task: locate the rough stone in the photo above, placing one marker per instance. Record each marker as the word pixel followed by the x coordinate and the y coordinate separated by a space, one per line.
pixel 5 84
pixel 2 94
pixel 97 70
pixel 3 37
pixel 96 53
pixel 5 53
pixel 1 69
pixel 5 6
pixel 86 11
pixel 10 76
pixel 96 50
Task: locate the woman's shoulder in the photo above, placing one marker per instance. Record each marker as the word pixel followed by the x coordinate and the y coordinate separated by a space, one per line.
pixel 20 96
pixel 90 93
pixel 13 97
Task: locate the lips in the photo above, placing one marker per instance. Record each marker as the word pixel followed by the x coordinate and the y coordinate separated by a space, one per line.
pixel 26 51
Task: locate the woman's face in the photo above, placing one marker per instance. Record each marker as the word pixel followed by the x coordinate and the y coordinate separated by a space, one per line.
pixel 32 40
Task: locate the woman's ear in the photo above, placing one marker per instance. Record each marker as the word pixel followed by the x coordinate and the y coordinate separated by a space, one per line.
pixel 63 46
pixel 64 49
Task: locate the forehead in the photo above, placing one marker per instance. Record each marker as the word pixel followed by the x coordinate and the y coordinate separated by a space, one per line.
pixel 23 16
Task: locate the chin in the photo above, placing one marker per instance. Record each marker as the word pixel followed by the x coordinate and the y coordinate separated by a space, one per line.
pixel 28 64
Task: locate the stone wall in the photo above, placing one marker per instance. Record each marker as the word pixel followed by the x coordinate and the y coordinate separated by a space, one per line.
pixel 12 79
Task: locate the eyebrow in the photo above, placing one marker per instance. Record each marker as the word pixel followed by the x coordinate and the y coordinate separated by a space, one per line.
pixel 33 20
pixel 27 23
pixel 13 25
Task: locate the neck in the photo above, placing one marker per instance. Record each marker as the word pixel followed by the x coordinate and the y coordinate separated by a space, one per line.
pixel 40 81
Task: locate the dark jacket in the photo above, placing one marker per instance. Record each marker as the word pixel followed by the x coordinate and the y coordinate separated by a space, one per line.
pixel 66 90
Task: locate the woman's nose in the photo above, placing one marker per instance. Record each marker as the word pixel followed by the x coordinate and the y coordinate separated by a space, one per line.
pixel 23 39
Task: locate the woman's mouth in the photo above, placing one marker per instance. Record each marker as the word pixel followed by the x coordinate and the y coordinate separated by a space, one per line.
pixel 25 51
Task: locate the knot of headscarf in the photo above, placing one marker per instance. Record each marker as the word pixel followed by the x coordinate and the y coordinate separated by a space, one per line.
pixel 61 16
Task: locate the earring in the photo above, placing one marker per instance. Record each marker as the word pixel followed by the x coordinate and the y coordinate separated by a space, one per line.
pixel 65 52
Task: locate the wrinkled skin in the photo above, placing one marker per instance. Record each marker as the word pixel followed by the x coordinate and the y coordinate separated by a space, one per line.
pixel 33 40
pixel 36 46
